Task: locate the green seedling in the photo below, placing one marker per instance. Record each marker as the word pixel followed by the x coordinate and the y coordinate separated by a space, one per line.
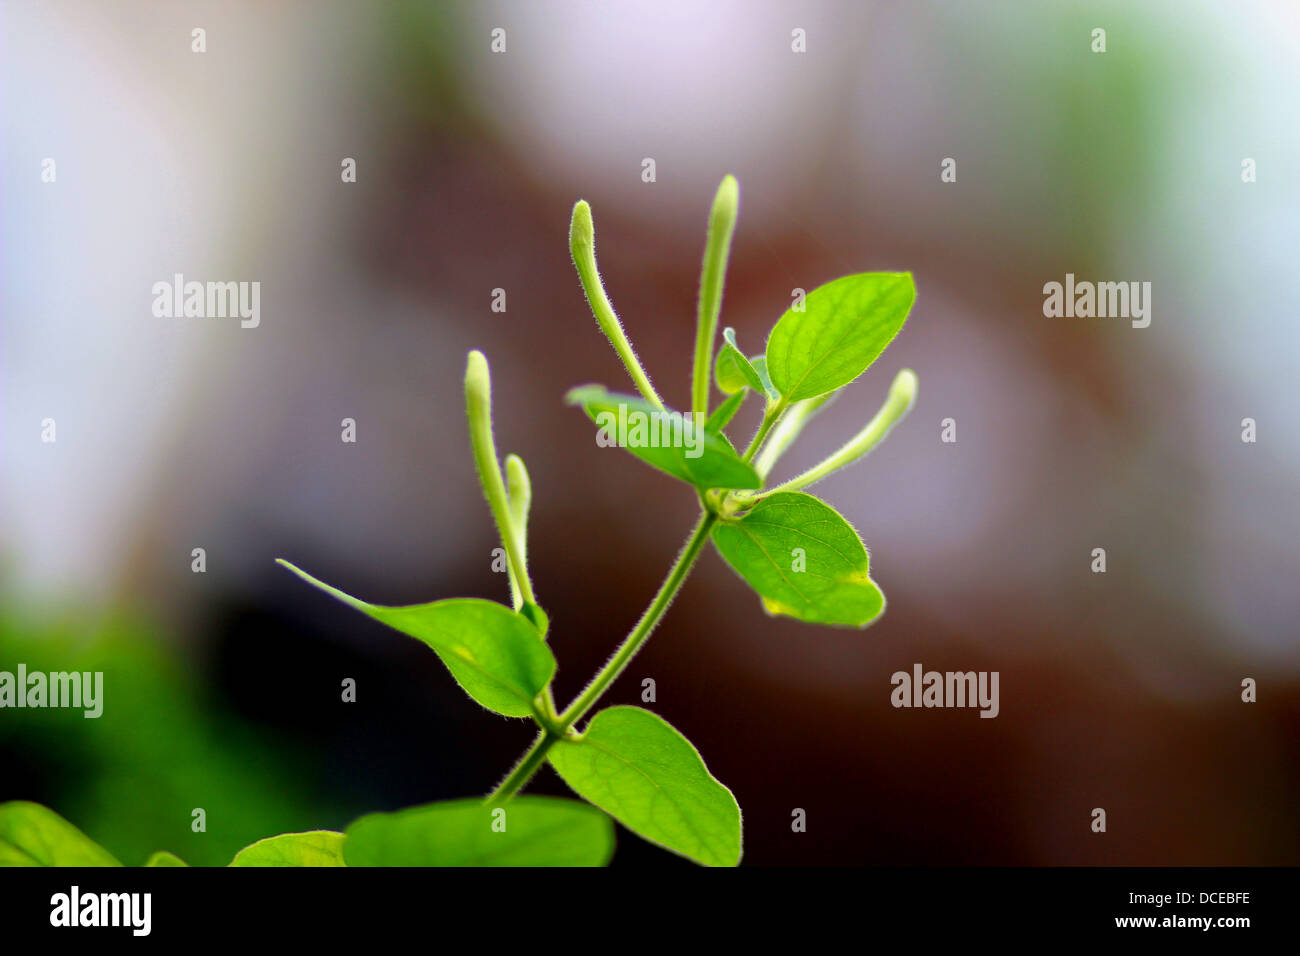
pixel 800 556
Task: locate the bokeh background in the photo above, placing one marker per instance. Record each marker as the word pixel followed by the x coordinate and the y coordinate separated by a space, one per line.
pixel 1118 690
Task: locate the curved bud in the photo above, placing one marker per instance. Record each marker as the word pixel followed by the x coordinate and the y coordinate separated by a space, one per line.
pixel 902 395
pixel 478 407
pixel 582 246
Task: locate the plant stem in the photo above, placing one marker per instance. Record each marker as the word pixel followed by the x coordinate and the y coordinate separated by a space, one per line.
pixel 535 756
pixel 582 245
pixel 633 642
pixel 523 771
pixel 786 432
pixel 771 414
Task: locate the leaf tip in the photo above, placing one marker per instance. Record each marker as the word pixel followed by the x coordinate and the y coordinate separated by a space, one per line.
pixel 775 608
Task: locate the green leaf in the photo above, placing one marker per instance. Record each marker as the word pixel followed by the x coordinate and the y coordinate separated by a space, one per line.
pixel 496 655
pixel 537 617
pixel 525 831
pixel 669 441
pixel 33 835
pixel 759 364
pixel 163 858
pixel 636 767
pixel 804 560
pixel 724 413
pixel 733 372
pixel 313 848
pixel 845 325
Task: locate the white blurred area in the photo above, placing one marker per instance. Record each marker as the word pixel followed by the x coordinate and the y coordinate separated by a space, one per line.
pixel 170 162
pixel 174 161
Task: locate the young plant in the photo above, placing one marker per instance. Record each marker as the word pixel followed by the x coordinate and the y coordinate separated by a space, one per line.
pixel 801 557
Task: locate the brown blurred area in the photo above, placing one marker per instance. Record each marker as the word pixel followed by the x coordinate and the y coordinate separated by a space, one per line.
pixel 1118 690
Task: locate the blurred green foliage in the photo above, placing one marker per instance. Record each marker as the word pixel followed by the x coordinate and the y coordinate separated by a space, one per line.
pixel 132 777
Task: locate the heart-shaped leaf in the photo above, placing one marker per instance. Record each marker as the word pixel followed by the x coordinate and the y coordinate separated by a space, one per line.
pixel 667 440
pixel 33 835
pixel 525 831
pixel 845 325
pixel 496 655
pixel 313 848
pixel 641 771
pixel 804 560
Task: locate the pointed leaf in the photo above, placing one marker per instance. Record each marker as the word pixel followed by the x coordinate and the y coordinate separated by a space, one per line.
pixel 496 655
pixel 525 831
pixel 733 372
pixel 667 440
pixel 640 770
pixel 537 617
pixel 804 560
pixel 33 835
pixel 759 364
pixel 313 848
pixel 845 325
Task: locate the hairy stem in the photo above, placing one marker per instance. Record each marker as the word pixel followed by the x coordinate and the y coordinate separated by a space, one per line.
pixel 633 642
pixel 535 756
pixel 786 432
pixel 523 771
pixel 771 415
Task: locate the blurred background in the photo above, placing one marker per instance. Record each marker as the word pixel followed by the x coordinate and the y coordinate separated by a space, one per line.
pixel 222 689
